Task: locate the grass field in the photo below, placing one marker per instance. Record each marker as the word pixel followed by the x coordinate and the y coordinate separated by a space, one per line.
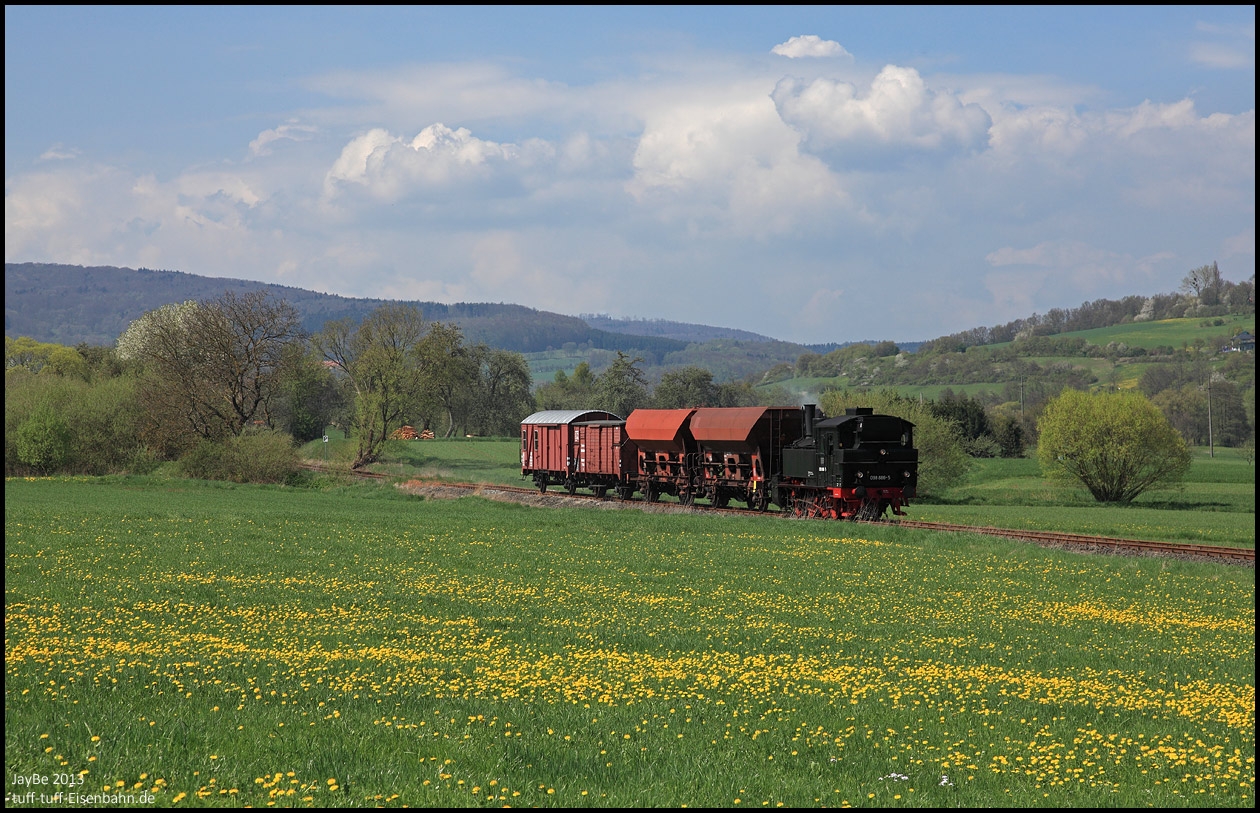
pixel 1215 505
pixel 210 644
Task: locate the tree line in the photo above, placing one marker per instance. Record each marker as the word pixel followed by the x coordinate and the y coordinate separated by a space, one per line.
pixel 193 379
pixel 1203 293
pixel 232 382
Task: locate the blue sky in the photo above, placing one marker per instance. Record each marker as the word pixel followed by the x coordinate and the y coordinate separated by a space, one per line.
pixel 812 173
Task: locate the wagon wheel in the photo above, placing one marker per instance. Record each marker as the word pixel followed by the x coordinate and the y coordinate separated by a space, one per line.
pixel 721 500
pixel 570 486
pixel 652 494
pixel 601 492
pixel 541 482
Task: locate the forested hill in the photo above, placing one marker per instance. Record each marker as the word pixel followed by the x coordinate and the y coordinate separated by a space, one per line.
pixel 670 330
pixel 70 304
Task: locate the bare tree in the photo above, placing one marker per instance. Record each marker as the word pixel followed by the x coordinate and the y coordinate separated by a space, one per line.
pixel 210 369
pixel 1203 283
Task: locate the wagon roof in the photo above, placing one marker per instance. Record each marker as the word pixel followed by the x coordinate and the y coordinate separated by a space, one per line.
pixel 567 416
pixel 656 424
pixel 728 424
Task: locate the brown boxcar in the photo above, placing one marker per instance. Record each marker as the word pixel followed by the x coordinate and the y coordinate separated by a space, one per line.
pixel 739 451
pixel 666 456
pixel 576 449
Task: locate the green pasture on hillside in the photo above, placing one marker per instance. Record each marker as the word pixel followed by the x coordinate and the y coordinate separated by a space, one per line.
pixel 1169 332
pixel 1124 373
pixel 217 645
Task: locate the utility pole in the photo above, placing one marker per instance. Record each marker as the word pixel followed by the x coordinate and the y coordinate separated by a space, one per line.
pixel 1211 447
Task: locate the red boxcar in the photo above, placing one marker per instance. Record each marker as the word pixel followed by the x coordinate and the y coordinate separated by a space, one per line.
pixel 740 449
pixel 578 448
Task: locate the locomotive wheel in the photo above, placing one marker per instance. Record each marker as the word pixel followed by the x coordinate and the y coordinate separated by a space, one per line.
pixel 804 508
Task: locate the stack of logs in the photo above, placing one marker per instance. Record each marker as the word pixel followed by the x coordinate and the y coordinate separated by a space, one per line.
pixel 410 433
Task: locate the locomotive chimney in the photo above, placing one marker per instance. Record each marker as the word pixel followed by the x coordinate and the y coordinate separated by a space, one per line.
pixel 808 409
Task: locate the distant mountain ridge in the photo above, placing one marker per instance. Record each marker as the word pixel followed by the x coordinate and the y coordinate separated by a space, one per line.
pixel 70 304
pixel 665 328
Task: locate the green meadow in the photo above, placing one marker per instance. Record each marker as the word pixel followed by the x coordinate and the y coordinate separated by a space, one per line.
pixel 180 643
pixel 1215 505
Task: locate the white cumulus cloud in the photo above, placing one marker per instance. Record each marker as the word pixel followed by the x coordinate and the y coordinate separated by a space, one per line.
pixel 898 109
pixel 389 166
pixel 291 131
pixel 810 45
pixel 731 161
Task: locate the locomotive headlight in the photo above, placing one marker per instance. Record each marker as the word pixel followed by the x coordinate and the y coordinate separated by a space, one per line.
pixel 906 474
pixel 859 474
pixel 883 451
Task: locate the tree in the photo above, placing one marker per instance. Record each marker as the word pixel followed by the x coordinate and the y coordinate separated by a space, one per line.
pixel 43 357
pixel 310 398
pixel 69 424
pixel 1203 283
pixel 210 369
pixel 686 387
pixel 1117 445
pixel 1185 409
pixel 1009 434
pixel 379 358
pixel 448 372
pixel 502 398
pixel 622 388
pixel 968 413
pixel 247 337
pixel 568 392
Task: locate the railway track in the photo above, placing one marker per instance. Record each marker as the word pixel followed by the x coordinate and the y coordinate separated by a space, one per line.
pixel 1184 550
pixel 1219 553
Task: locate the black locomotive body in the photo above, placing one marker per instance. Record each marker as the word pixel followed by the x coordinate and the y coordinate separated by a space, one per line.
pixel 854 466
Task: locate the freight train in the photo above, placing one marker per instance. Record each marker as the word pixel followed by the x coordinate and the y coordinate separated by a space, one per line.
pixel 854 466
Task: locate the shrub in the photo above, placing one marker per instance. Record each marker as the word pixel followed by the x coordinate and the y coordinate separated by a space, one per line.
pixel 256 457
pixel 983 446
pixel 1117 445
pixel 99 417
pixel 44 441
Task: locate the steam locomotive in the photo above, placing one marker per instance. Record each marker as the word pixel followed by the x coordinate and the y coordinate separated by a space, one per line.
pixel 854 466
